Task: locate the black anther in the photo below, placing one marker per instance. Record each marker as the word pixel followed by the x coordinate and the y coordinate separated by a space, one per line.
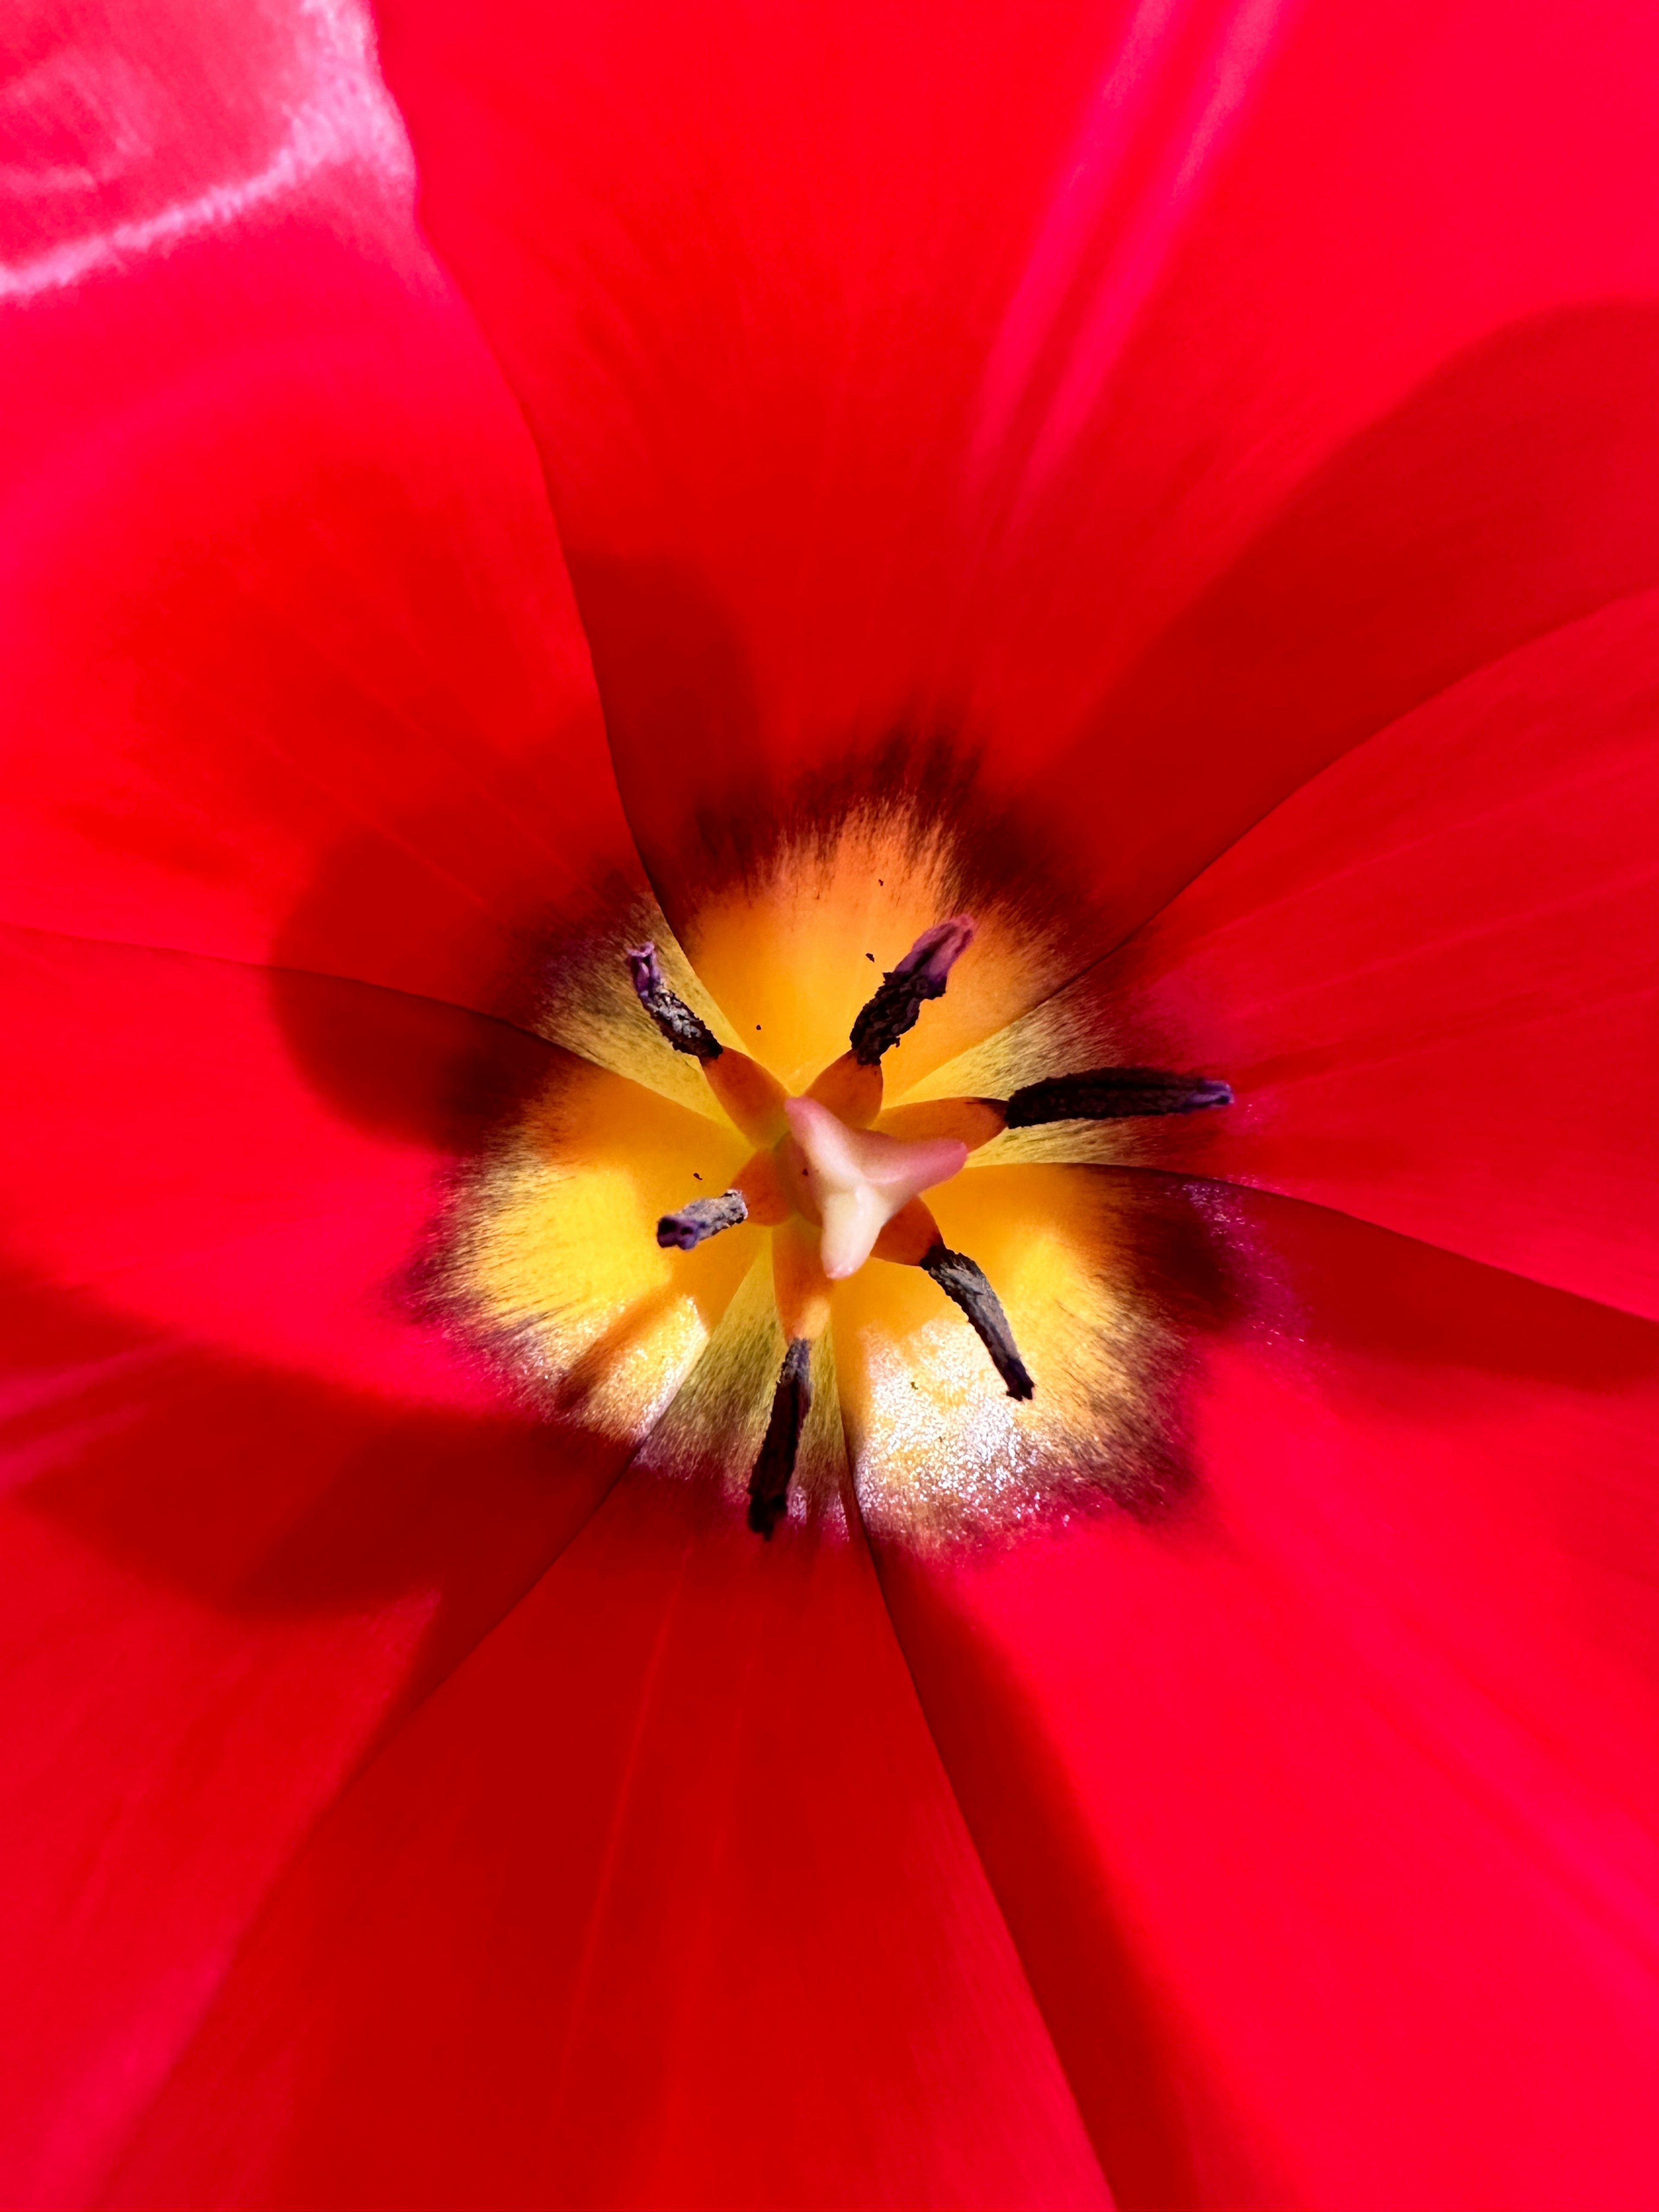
pixel 684 1031
pixel 963 1280
pixel 1114 1093
pixel 898 998
pixel 700 1220
pixel 769 1485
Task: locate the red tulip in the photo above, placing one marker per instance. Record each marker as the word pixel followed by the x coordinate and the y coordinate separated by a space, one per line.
pixel 1200 460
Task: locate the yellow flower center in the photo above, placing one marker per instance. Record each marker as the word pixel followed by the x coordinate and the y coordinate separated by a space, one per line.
pixel 674 1248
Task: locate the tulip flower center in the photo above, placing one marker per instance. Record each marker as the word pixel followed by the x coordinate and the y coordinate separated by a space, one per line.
pixel 713 1239
pixel 837 1192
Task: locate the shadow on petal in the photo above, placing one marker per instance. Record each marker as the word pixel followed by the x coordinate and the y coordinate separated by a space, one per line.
pixel 1512 491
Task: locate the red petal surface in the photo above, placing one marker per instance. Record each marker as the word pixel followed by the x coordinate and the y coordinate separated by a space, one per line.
pixel 1324 1811
pixel 1164 398
pixel 1430 975
pixel 663 1901
pixel 291 666
pixel 256 1159
pixel 1166 403
pixel 222 1583
pixel 127 130
pixel 252 1509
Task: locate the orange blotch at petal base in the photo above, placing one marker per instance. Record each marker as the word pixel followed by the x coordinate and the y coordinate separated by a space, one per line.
pixel 717 1254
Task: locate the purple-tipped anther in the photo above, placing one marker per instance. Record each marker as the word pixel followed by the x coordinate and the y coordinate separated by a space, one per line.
pixel 684 1029
pixel 920 975
pixel 1114 1093
pixel 700 1220
pixel 937 951
pixel 644 967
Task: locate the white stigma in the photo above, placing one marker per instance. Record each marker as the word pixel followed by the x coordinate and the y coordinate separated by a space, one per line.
pixel 860 1179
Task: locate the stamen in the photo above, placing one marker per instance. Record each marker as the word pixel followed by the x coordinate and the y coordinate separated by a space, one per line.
pixel 769 1485
pixel 964 1282
pixel 703 1218
pixel 1114 1093
pixel 898 998
pixel 684 1029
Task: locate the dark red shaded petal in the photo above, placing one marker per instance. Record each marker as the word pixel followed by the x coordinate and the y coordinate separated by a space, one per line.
pixel 662 1901
pixel 252 1508
pixel 1161 398
pixel 1506 494
pixel 1325 1811
pixel 292 666
pixel 1429 977
pixel 223 1584
pixel 255 1159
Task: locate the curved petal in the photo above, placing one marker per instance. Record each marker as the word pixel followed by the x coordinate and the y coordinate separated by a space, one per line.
pixel 253 1504
pixel 291 664
pixel 1157 398
pixel 222 1584
pixel 126 133
pixel 1324 1809
pixel 661 1901
pixel 255 1160
pixel 1429 977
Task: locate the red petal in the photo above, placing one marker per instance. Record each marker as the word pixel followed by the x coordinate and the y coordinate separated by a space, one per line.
pixel 128 131
pixel 292 670
pixel 221 1579
pixel 255 1159
pixel 662 1901
pixel 922 369
pixel 1429 976
pixel 220 1584
pixel 1325 1811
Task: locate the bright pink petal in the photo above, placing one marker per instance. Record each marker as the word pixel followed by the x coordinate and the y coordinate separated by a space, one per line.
pixel 1325 1810
pixel 1160 397
pixel 292 669
pixel 662 1901
pixel 1430 975
pixel 126 132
